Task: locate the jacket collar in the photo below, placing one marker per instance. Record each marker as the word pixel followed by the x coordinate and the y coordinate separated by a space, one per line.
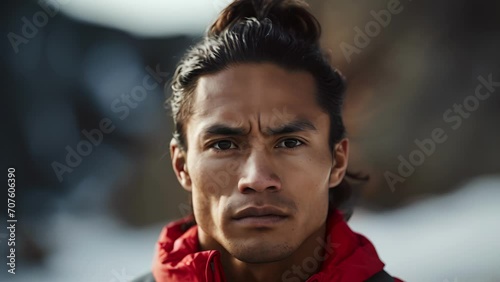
pixel 349 256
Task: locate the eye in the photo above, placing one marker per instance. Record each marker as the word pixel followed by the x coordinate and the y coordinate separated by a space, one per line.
pixel 289 143
pixel 223 145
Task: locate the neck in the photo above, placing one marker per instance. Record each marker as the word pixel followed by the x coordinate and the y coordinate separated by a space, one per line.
pixel 303 263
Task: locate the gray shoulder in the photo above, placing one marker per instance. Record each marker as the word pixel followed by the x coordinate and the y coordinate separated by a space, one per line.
pixel 381 276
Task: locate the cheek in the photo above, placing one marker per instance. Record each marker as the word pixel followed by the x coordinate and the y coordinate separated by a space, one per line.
pixel 210 178
pixel 210 183
pixel 308 179
pixel 312 168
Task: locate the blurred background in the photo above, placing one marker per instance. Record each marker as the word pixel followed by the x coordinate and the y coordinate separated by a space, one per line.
pixel 85 127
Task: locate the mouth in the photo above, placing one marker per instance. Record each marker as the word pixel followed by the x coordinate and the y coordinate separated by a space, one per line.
pixel 260 216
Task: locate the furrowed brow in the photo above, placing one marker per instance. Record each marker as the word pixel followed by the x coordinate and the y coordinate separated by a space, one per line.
pixel 221 129
pixel 291 127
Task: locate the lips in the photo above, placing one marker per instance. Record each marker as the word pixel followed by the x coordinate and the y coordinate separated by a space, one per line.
pixel 260 212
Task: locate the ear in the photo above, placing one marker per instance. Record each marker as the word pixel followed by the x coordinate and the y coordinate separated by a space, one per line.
pixel 179 164
pixel 340 161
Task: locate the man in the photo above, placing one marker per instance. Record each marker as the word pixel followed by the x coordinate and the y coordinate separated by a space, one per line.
pixel 260 144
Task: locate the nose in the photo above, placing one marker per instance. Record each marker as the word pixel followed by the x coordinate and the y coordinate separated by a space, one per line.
pixel 259 174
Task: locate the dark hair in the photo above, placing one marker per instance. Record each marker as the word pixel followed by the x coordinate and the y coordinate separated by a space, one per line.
pixel 282 32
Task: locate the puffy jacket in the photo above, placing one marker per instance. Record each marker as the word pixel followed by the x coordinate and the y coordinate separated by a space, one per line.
pixel 178 257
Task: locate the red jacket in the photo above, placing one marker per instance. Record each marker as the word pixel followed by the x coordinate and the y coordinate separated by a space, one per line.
pixel 178 257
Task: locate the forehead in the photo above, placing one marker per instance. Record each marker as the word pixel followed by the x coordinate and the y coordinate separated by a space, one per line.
pixel 255 89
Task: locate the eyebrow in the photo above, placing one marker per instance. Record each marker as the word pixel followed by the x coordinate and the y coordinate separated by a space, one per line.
pixel 222 129
pixel 290 127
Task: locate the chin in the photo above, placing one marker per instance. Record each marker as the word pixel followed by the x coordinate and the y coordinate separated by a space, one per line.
pixel 261 252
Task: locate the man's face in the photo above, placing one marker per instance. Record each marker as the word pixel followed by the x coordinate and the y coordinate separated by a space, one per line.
pixel 258 162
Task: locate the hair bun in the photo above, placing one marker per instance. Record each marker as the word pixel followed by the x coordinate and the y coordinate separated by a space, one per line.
pixel 292 16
